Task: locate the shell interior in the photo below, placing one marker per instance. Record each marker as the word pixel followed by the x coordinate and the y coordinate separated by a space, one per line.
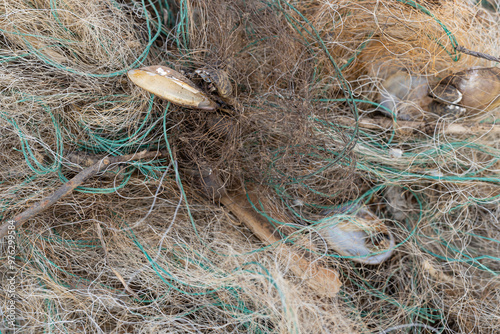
pixel 367 241
pixel 172 86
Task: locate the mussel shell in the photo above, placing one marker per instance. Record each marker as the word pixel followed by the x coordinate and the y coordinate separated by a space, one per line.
pixel 479 87
pixel 363 237
pixel 219 78
pixel 172 86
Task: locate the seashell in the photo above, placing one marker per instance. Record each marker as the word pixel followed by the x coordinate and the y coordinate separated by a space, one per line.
pixel 448 111
pixel 405 95
pixel 219 78
pixel 172 86
pixel 476 89
pixel 360 236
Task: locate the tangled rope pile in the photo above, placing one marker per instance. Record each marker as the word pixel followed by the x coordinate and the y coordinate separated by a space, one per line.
pixel 141 248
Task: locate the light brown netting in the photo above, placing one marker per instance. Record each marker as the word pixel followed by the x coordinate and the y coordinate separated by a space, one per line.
pixel 141 247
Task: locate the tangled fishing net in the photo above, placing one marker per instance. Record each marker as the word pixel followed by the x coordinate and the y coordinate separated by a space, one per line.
pixel 141 248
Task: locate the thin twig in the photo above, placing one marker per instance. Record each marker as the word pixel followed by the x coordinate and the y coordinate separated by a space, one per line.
pixel 87 160
pixel 69 186
pixel 477 54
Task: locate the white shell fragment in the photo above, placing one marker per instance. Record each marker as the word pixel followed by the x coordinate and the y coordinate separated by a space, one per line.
pixel 172 86
pixel 363 237
pixel 396 153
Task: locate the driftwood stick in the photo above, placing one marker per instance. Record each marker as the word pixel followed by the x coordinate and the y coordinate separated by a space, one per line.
pixel 324 281
pixel 87 160
pixel 69 186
